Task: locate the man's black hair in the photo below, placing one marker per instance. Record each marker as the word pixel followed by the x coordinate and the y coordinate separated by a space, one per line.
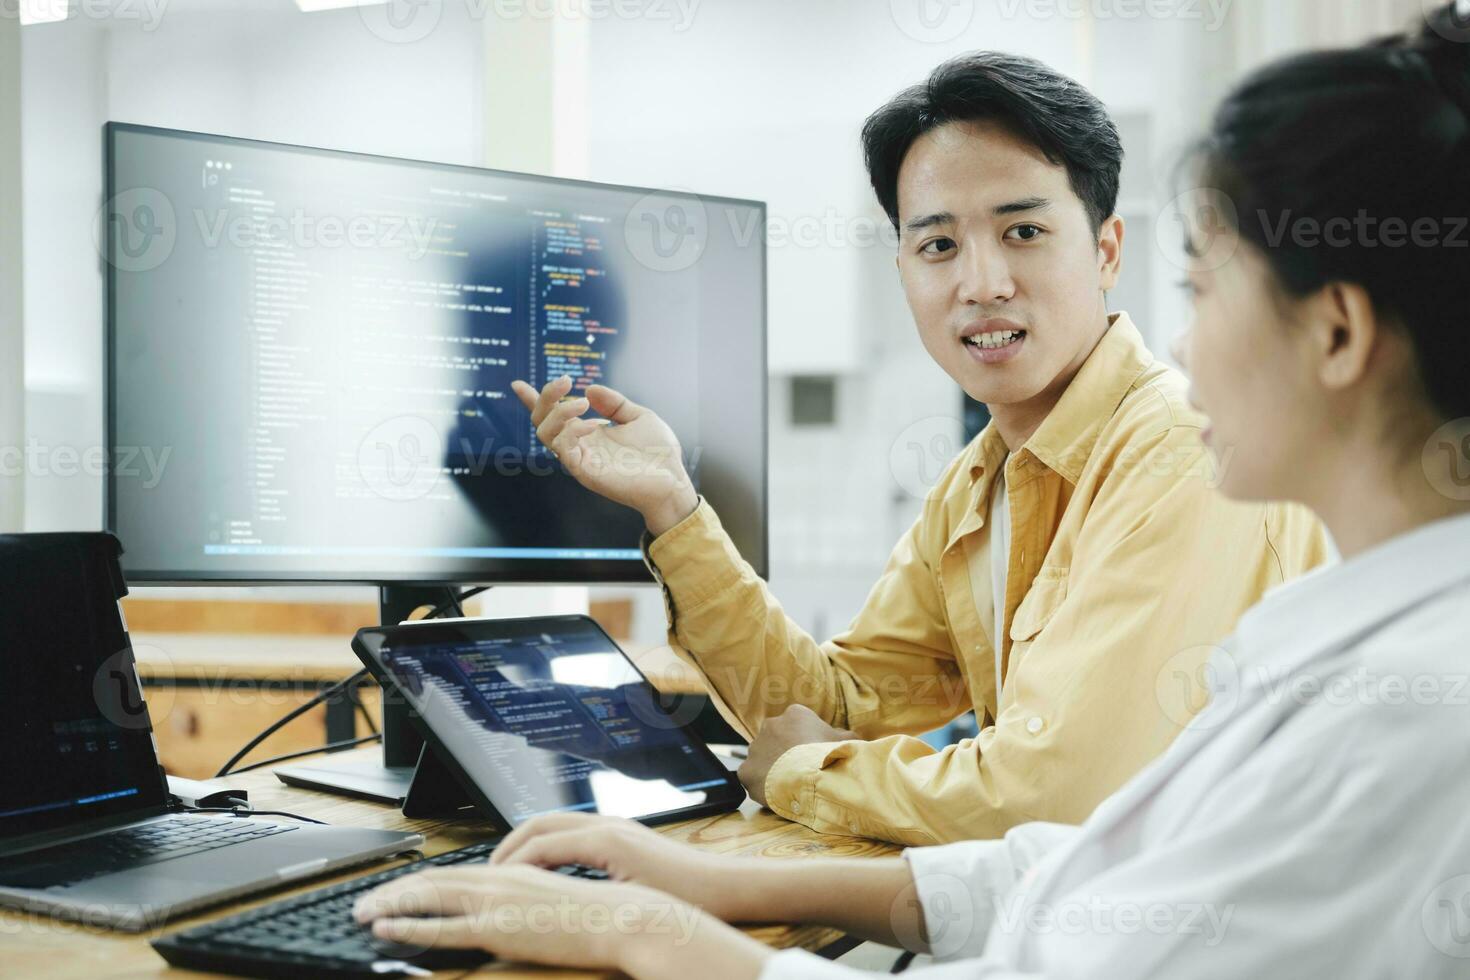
pixel 1055 114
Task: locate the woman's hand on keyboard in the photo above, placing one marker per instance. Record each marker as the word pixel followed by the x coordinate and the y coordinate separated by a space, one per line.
pixel 528 914
pixel 627 851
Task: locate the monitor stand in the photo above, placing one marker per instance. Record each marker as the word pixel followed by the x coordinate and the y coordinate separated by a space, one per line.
pixel 381 778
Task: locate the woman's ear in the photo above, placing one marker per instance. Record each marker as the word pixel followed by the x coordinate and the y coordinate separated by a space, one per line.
pixel 1343 334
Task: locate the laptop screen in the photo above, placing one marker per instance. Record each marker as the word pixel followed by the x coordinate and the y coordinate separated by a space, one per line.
pixel 75 737
pixel 548 714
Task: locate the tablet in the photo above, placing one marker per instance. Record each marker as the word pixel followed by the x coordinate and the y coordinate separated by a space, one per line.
pixel 546 714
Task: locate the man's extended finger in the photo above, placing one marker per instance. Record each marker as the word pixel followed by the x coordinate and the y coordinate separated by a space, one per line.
pixel 550 395
pixel 613 405
pixel 558 417
pixel 525 393
pixel 545 824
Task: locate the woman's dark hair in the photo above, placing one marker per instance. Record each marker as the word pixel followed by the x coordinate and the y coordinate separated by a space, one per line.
pixel 1373 142
pixel 1049 110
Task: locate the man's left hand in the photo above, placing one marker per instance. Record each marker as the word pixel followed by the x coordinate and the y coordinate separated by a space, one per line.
pixel 797 725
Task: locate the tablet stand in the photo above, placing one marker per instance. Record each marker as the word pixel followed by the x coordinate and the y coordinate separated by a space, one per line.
pixel 434 792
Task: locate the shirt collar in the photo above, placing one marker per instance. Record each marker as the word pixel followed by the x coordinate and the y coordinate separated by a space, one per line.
pixel 1067 435
pixel 1329 606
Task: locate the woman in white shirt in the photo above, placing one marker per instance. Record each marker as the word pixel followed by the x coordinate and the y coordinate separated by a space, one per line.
pixel 1314 818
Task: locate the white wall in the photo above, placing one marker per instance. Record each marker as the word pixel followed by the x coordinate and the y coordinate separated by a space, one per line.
pixel 263 71
pixel 12 337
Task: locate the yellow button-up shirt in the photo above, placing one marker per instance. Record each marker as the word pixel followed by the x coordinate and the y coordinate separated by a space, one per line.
pixel 1125 566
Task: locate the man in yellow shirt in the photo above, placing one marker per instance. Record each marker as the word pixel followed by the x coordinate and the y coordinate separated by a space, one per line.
pixel 1069 572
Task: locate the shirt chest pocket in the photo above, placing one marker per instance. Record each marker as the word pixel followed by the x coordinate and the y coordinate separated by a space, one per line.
pixel 1040 606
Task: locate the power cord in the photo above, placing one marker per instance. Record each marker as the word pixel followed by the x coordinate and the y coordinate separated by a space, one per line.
pixel 455 599
pixel 346 743
pixel 289 717
pixel 455 603
pixel 243 809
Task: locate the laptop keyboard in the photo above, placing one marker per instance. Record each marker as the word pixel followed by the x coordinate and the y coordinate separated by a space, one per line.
pixel 131 847
pixel 316 934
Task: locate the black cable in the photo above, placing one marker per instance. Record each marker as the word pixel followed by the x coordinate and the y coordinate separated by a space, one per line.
pixel 243 810
pixel 290 716
pixel 456 598
pixel 354 694
pixel 902 963
pixel 346 743
pixel 454 602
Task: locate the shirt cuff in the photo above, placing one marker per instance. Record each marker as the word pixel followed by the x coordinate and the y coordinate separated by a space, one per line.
pixel 798 964
pixel 695 560
pixel 959 887
pixel 791 783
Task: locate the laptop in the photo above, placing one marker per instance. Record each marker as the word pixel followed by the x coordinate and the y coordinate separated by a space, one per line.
pixel 87 830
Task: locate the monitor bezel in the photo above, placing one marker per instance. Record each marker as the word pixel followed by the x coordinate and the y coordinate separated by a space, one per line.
pixel 489 571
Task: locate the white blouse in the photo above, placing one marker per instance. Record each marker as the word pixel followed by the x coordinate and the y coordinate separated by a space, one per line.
pixel 1312 821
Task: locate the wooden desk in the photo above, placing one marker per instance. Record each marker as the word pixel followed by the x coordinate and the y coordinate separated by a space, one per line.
pixel 35 946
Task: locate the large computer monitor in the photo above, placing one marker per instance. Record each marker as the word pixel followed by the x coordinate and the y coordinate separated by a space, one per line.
pixel 311 351
pixel 316 347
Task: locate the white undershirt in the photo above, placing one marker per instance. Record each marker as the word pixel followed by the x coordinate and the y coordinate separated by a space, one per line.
pixel 1000 563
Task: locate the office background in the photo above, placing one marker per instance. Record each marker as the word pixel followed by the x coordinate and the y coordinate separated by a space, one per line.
pixel 750 98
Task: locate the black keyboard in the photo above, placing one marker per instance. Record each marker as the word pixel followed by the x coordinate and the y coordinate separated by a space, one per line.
pixel 131 847
pixel 315 934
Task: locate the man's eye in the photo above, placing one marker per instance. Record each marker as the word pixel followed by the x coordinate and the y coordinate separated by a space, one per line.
pixel 938 245
pixel 1026 233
